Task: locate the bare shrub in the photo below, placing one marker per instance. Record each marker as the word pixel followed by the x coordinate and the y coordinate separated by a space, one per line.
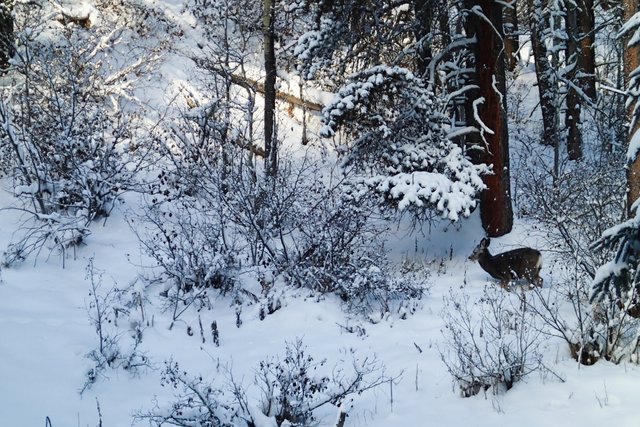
pixel 212 216
pixel 490 343
pixel 70 131
pixel 575 203
pixel 291 391
pixel 106 309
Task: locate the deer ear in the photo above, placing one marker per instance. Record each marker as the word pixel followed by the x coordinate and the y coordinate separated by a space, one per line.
pixel 486 242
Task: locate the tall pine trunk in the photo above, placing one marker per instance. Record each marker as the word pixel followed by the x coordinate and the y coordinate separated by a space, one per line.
pixel 6 33
pixel 547 84
pixel 631 63
pixel 423 10
pixel 587 47
pixel 511 42
pixel 270 138
pixel 574 100
pixel 495 202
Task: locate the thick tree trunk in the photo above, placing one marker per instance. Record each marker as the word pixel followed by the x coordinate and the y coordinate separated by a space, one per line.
pixel 495 202
pixel 574 100
pixel 547 85
pixel 631 63
pixel 511 42
pixel 587 48
pixel 270 138
pixel 6 33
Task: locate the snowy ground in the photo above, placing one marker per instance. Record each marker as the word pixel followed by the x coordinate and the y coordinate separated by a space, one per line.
pixel 46 333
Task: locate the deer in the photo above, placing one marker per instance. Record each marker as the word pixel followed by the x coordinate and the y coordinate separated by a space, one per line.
pixel 518 264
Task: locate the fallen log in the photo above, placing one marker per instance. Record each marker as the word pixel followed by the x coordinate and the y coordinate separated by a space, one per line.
pixel 282 96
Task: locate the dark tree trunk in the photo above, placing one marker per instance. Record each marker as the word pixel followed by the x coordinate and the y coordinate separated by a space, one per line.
pixel 6 33
pixel 495 202
pixel 270 139
pixel 443 22
pixel 631 63
pixel 587 37
pixel 547 85
pixel 511 42
pixel 423 10
pixel 574 100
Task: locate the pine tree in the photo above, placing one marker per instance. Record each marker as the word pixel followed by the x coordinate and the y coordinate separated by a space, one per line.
pixel 621 276
pixel 484 22
pixel 395 108
pixel 631 37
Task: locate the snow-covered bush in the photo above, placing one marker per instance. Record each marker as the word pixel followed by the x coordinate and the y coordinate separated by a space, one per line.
pixel 400 142
pixel 615 292
pixel 188 247
pixel 576 204
pixel 290 392
pixel 106 309
pixel 198 403
pixel 211 217
pixel 338 247
pixel 69 121
pixel 188 225
pixel 294 388
pixel 592 331
pixel 375 291
pixel 490 343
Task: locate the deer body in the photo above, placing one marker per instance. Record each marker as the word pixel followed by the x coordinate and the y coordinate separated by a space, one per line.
pixel 523 263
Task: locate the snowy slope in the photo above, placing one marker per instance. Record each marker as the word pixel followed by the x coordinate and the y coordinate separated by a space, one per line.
pixel 45 335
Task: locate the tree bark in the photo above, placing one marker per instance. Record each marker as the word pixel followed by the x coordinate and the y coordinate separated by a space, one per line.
pixel 547 84
pixel 511 42
pixel 423 10
pixel 574 100
pixel 495 202
pixel 587 48
pixel 270 138
pixel 631 57
pixel 7 48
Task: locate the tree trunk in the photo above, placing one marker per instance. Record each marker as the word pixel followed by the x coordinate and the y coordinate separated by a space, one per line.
pixel 6 34
pixel 574 101
pixel 547 84
pixel 443 22
pixel 511 42
pixel 495 202
pixel 631 63
pixel 270 138
pixel 587 38
pixel 423 10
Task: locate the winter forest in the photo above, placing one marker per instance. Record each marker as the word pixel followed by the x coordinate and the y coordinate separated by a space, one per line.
pixel 272 213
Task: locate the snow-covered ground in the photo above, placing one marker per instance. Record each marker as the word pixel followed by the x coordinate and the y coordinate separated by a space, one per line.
pixel 46 333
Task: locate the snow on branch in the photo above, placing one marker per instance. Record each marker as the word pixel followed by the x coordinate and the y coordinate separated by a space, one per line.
pixel 401 142
pixel 355 96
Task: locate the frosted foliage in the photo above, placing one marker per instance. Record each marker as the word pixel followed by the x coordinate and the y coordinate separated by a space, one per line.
pixel 619 276
pixel 399 133
pixel 306 45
